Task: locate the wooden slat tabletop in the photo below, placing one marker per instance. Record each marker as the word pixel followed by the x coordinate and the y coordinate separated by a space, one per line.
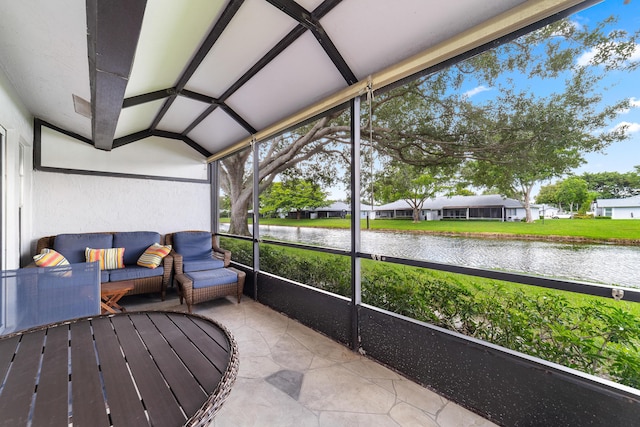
pixel 129 369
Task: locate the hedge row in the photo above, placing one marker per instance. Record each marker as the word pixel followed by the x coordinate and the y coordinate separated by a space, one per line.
pixel 596 337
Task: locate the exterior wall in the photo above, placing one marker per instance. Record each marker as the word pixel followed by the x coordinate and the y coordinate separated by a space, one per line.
pixel 18 123
pixel 66 203
pixel 625 213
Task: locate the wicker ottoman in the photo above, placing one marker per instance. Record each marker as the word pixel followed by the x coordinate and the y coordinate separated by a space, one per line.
pixel 227 281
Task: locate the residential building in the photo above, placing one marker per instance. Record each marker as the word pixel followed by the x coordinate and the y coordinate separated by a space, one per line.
pixel 483 207
pixel 627 208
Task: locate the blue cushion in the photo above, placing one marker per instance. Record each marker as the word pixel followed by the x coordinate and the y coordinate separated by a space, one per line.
pixel 72 246
pixel 134 272
pixel 193 245
pixel 104 276
pixel 134 243
pixel 220 276
pixel 201 264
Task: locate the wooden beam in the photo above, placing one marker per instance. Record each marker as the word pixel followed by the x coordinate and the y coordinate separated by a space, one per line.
pixel 113 30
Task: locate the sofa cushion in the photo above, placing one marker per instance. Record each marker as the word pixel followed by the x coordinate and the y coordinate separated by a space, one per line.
pixel 201 264
pixel 220 276
pixel 134 272
pixel 153 256
pixel 50 258
pixel 193 245
pixel 135 243
pixel 109 259
pixel 72 246
pixel 104 276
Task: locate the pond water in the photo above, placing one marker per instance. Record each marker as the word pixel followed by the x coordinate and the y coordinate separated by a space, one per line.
pixel 596 263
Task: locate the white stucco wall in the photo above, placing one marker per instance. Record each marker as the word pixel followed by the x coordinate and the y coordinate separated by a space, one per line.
pixel 68 203
pixel 18 123
pixel 625 213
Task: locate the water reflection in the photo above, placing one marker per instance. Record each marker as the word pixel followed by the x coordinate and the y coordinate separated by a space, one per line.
pixel 606 264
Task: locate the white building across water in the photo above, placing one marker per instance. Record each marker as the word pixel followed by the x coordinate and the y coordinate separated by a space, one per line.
pixel 485 207
pixel 628 208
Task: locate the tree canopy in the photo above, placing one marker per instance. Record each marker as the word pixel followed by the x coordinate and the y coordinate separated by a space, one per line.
pixel 411 184
pixel 293 194
pixel 614 185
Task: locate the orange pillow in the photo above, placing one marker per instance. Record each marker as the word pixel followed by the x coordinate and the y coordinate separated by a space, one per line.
pixel 152 257
pixel 110 259
pixel 50 258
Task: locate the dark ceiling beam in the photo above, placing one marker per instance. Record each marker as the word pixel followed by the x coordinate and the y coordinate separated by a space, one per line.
pixel 128 139
pixel 226 17
pixel 113 30
pixel 325 7
pixel 161 134
pixel 148 97
pixel 235 116
pixel 267 58
pixel 309 21
pixel 191 143
pixel 198 97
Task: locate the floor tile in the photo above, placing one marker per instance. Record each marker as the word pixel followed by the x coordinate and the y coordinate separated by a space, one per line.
pixel 290 375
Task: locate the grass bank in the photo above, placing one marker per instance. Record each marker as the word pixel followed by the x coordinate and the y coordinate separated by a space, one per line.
pixel 596 230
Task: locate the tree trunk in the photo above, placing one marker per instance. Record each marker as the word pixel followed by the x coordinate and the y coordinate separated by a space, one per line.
pixel 238 224
pixel 527 203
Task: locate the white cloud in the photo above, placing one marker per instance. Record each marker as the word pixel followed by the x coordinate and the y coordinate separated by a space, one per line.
pixel 633 102
pixel 588 57
pixel 631 127
pixel 476 90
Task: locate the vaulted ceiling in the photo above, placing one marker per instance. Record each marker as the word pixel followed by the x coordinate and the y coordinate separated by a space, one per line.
pixel 215 73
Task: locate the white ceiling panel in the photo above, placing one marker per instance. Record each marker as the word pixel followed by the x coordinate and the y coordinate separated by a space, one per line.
pixel 310 5
pixel 182 112
pixel 254 30
pixel 171 32
pixel 43 52
pixel 217 131
pixel 137 118
pixel 385 34
pixel 300 76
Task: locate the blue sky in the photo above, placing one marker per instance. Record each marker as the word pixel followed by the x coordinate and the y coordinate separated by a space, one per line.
pixel 622 156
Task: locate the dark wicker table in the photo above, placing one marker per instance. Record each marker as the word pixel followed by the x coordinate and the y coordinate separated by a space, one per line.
pixel 127 369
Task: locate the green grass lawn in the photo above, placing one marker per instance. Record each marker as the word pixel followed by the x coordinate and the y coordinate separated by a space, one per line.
pixel 580 228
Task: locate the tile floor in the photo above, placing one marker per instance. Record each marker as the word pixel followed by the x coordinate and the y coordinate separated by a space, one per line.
pixel 291 375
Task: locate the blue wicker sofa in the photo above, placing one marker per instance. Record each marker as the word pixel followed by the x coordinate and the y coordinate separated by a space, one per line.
pixel 145 280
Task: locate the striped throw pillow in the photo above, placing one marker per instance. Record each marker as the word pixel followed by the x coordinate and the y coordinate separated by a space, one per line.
pixel 50 258
pixel 152 257
pixel 109 259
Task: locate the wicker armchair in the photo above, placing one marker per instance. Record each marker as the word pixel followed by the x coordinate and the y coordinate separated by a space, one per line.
pixel 204 274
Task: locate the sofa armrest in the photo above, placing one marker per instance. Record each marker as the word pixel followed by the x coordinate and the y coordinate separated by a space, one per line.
pixel 222 254
pixel 177 261
pixel 167 265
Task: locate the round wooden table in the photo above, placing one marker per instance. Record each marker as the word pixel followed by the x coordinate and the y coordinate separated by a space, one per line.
pixel 128 369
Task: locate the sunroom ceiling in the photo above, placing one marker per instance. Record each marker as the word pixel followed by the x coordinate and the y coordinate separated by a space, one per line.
pixel 212 73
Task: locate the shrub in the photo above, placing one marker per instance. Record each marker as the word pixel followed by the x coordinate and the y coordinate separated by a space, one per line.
pixel 595 337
